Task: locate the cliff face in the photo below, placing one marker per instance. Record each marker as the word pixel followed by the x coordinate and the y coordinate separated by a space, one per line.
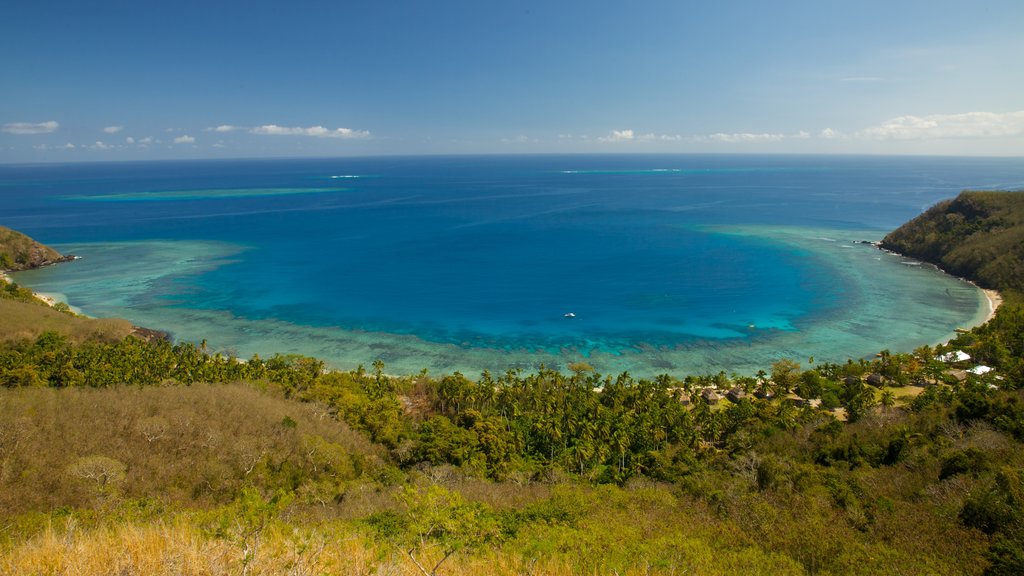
pixel 977 235
pixel 19 252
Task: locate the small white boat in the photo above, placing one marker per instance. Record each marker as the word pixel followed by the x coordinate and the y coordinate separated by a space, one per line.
pixel 569 315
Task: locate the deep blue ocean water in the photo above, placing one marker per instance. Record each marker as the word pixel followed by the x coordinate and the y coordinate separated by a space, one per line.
pixel 473 262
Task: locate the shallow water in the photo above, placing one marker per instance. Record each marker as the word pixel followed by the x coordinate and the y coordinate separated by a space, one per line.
pixel 686 264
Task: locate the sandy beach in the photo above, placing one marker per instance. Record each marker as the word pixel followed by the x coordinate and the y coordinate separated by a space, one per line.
pixel 49 299
pixel 995 300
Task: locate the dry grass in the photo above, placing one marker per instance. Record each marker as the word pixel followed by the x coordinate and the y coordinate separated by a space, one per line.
pixel 182 444
pixel 179 548
pixel 24 320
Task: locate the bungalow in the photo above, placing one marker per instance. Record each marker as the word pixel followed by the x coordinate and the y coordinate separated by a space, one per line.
pixel 960 375
pixel 980 369
pixel 710 395
pixel 735 394
pixel 876 380
pixel 957 356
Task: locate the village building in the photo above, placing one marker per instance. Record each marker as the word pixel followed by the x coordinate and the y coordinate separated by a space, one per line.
pixel 710 395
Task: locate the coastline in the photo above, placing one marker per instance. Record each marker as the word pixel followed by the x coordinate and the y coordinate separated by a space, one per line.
pixel 48 299
pixel 408 353
pixel 52 300
pixel 885 293
pixel 995 300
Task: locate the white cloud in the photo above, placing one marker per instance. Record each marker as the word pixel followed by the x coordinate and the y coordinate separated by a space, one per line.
pixel 801 135
pixel 650 137
pixel 185 139
pixel 113 129
pixel 223 128
pixel 520 139
pixel 146 140
pixel 68 146
pixel 935 126
pixel 218 144
pixel 746 137
pixel 30 128
pixel 315 131
pixel 830 134
pixel 618 136
pixel 99 145
pixel 130 140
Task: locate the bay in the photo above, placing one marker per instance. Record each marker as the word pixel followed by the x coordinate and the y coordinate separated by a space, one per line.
pixel 681 264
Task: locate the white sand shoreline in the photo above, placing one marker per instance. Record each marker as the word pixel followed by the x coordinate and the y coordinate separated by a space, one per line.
pixel 50 300
pixel 995 300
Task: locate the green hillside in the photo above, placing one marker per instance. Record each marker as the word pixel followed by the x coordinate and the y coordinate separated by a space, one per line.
pixel 977 235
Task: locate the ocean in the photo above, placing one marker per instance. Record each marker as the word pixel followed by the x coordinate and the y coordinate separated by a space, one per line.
pixel 679 264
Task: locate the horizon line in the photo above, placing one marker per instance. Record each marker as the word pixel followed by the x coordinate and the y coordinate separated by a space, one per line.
pixel 503 154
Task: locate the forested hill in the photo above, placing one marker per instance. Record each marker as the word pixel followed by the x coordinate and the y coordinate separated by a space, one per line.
pixel 977 235
pixel 19 252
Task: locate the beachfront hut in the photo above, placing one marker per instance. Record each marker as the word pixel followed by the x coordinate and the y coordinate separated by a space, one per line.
pixel 710 395
pixel 735 394
pixel 851 380
pixel 876 380
pixel 681 394
pixel 980 370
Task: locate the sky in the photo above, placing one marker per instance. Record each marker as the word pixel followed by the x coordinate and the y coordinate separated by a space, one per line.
pixel 143 80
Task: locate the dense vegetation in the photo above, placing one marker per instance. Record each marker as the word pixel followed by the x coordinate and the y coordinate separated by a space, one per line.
pixel 977 235
pixel 131 456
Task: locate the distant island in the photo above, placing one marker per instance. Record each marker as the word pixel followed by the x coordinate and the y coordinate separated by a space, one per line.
pixel 125 455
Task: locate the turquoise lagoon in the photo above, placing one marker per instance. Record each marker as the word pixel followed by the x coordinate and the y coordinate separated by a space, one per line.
pixel 678 264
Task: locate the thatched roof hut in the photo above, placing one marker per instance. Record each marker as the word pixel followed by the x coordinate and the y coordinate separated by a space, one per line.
pixel 735 394
pixel 710 395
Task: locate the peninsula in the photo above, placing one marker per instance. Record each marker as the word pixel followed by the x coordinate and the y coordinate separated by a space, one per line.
pixel 19 252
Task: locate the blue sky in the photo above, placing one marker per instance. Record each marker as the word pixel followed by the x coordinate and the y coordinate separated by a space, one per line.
pixel 103 80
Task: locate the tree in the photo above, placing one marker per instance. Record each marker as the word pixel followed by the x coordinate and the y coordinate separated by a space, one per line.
pixel 245 520
pixel 785 375
pixel 435 516
pixel 811 385
pixel 105 474
pixel 888 399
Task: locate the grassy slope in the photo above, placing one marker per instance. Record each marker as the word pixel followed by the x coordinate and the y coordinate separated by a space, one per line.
pixel 187 445
pixel 27 320
pixel 977 235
